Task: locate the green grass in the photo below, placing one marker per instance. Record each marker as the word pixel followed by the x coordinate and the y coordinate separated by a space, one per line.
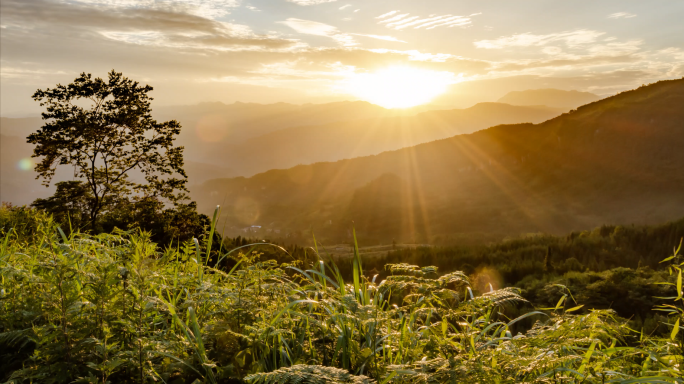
pixel 118 308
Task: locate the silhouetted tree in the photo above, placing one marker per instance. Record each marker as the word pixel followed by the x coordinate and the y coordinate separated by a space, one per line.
pixel 105 131
pixel 69 205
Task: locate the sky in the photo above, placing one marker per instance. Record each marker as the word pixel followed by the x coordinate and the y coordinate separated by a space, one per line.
pixel 453 53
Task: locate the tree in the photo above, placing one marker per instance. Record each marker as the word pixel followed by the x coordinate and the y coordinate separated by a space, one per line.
pixel 69 205
pixel 105 131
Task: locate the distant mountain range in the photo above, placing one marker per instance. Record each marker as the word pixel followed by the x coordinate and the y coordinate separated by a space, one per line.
pixel 242 139
pixel 554 98
pixel 306 144
pixel 614 161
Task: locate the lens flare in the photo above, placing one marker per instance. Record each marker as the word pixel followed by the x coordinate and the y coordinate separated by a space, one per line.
pixel 247 210
pixel 25 164
pixel 399 87
pixel 486 279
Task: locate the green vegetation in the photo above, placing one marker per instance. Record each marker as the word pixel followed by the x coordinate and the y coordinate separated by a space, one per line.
pixel 118 308
pixel 129 173
pixel 610 267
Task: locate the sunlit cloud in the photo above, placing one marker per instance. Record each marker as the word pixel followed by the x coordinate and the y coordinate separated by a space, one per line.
pixel 621 15
pixel 172 43
pixel 310 27
pixel 204 8
pixel 393 18
pixel 161 27
pixel 405 20
pixel 379 37
pixel 8 72
pixel 552 50
pixel 570 38
pixel 388 14
pixel 315 28
pixel 310 2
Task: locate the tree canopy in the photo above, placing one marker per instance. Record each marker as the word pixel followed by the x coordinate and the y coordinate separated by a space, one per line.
pixel 105 131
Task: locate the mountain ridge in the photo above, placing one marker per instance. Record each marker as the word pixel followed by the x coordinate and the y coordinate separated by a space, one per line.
pixel 609 161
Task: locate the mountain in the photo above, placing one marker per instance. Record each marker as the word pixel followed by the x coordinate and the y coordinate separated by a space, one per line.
pixel 615 161
pixel 555 98
pixel 306 144
pixel 244 138
pixel 207 128
pixel 215 128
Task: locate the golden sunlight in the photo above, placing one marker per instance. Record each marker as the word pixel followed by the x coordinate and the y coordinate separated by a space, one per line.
pixel 398 87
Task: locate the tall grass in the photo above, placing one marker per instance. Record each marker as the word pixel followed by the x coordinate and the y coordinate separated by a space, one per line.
pixel 116 308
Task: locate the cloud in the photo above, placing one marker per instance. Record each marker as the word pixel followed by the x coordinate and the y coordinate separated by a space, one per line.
pixel 384 15
pixel 320 29
pixel 8 72
pixel 405 20
pixel 571 63
pixel 393 18
pixel 379 37
pixel 310 27
pixel 310 2
pixel 345 6
pixel 181 45
pixel 571 39
pixel 585 52
pixel 621 15
pixel 204 8
pixel 136 25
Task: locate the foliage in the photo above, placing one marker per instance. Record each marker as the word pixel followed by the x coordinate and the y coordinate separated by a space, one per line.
pixel 69 205
pixel 109 142
pixel 116 308
pixel 307 374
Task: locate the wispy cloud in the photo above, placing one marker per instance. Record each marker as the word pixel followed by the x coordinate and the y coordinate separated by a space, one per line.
pixel 315 28
pixel 388 14
pixel 310 2
pixel 345 6
pixel 405 20
pixel 23 73
pixel 391 19
pixel 570 38
pixel 205 8
pixel 163 27
pixel 379 37
pixel 310 27
pixel 621 15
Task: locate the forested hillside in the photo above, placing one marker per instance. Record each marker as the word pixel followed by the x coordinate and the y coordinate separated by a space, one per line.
pixel 615 161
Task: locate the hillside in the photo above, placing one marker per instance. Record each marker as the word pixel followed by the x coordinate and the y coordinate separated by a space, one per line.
pixel 306 144
pixel 243 139
pixel 207 128
pixel 614 161
pixel 217 125
pixel 555 98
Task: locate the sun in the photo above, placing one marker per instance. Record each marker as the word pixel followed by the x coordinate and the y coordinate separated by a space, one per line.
pixel 398 87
